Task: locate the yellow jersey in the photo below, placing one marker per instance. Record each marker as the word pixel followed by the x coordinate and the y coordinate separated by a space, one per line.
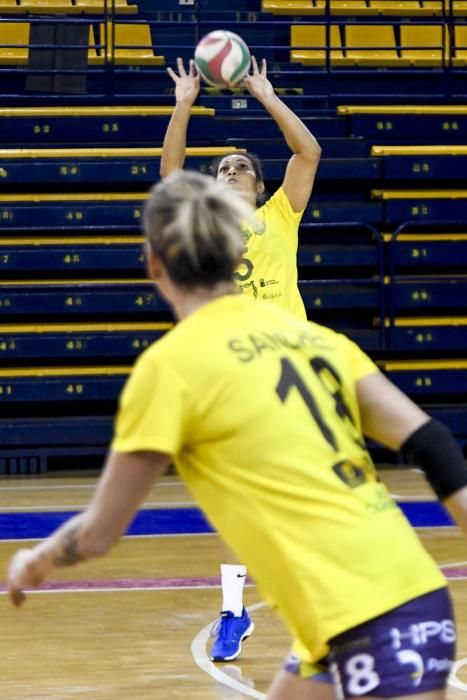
pixel 268 268
pixel 259 413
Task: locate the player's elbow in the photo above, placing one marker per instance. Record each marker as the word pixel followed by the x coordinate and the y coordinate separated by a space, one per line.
pixel 314 153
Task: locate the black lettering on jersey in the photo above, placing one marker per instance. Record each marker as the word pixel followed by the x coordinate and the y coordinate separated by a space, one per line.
pixel 350 474
pixel 330 379
pixel 291 379
pixel 356 472
pixel 244 354
pixel 255 345
pixel 281 341
pixel 244 270
pixel 260 344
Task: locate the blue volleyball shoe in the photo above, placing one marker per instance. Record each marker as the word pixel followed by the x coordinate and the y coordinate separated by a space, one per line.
pixel 230 632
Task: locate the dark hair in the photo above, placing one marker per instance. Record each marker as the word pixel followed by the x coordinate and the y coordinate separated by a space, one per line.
pixel 257 166
pixel 193 224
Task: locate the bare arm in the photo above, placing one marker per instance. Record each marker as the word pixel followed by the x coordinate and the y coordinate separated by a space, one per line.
pixel 186 92
pixel 125 481
pixel 386 413
pixel 301 169
pixel 390 417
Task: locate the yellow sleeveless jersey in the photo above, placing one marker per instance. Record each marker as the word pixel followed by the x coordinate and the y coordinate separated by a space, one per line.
pixel 268 269
pixel 259 411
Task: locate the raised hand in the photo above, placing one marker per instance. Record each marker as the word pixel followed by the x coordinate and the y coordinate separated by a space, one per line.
pixel 257 83
pixel 186 83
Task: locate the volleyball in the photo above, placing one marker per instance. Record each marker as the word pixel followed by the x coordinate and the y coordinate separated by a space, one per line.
pixel 222 58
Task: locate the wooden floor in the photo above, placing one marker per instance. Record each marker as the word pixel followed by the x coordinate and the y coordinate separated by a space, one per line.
pixel 135 624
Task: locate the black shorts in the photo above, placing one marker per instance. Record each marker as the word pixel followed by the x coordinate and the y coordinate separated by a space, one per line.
pixel 408 650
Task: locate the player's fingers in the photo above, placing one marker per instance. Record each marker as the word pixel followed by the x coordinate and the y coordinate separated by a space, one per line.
pixel 181 67
pixel 17 596
pixel 172 74
pixel 254 65
pixel 192 70
pixel 264 67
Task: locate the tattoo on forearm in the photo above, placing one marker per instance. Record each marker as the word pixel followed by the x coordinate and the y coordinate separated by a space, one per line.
pixel 70 554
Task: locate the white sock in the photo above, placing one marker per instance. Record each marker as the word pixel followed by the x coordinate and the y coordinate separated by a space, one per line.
pixel 233 580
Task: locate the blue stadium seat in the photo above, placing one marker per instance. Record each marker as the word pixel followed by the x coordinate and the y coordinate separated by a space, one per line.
pixel 72 343
pixel 429 380
pixel 58 384
pixel 434 335
pixel 68 299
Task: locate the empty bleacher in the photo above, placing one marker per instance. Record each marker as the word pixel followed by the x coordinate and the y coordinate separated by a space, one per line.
pixel 383 242
pixel 358 45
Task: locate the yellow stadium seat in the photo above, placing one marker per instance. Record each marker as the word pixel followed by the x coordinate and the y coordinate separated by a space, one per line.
pixel 101 6
pixel 317 7
pixel 48 7
pixel 344 7
pixel 397 8
pixel 314 35
pixel 9 6
pixel 12 35
pixel 422 45
pixel 371 45
pixel 289 7
pixel 460 45
pixel 432 7
pixel 438 7
pixel 460 8
pixel 125 44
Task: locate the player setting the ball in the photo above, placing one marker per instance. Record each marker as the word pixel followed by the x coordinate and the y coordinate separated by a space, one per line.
pixel 268 266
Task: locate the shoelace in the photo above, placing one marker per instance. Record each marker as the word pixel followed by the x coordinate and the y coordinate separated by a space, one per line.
pixel 218 626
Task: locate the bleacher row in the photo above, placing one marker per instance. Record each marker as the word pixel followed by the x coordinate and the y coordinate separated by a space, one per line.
pixel 349 45
pixel 49 7
pixel 383 242
pixel 421 33
pixel 384 45
pixel 367 8
pixel 122 44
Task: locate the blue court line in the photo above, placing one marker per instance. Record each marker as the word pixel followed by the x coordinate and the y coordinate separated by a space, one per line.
pixel 179 521
pixel 426 514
